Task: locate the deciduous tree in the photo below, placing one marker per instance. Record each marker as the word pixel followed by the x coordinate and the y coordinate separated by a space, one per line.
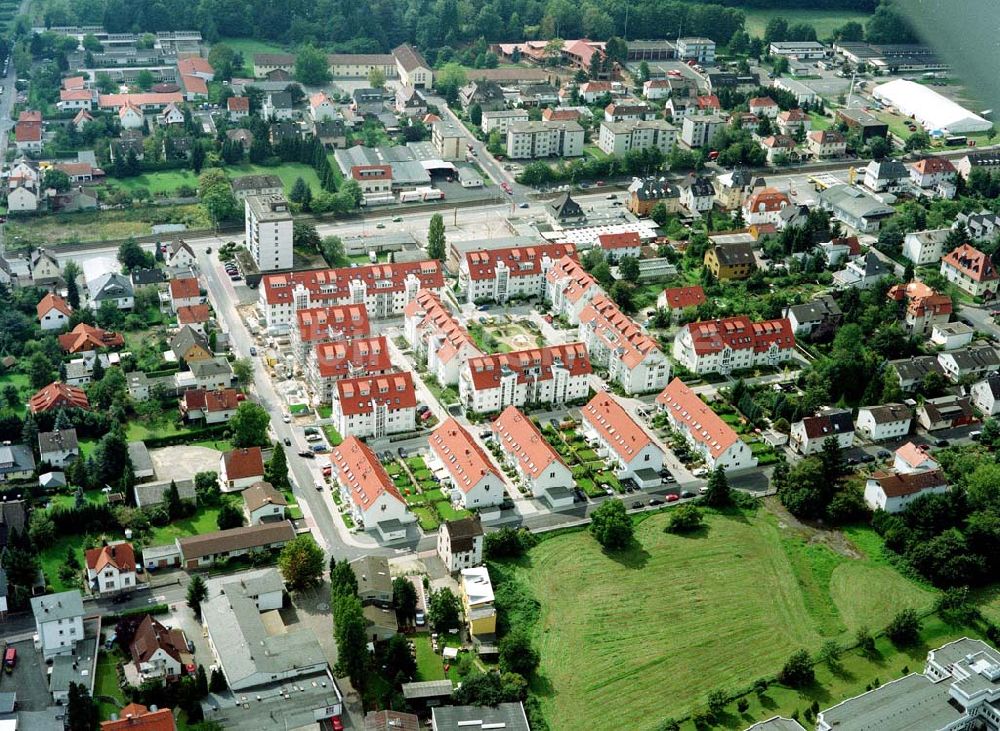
pixel 301 563
pixel 611 525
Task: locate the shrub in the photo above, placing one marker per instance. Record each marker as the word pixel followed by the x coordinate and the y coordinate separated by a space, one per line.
pixel 798 671
pixel 904 629
pixel 684 519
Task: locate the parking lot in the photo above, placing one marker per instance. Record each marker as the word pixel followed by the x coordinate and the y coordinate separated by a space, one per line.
pixel 28 680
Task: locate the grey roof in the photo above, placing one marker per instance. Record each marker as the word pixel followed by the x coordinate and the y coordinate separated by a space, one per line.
pixel 565 207
pixel 700 186
pixel 16 458
pixel 211 367
pixel 968 359
pixel 3 582
pixel 62 440
pixel 816 310
pixel 932 235
pixel 139 456
pixel 508 716
pixel 63 673
pixel 873 266
pixel 51 607
pixel 478 92
pixel 733 254
pixel 280 99
pixel 13 517
pixel 51 719
pixel 912 702
pixel 110 286
pixel 992 382
pixel 887 413
pixel 142 277
pixel 185 339
pixel 382 618
pixel 409 57
pixel 888 169
pixel 654 189
pixel 51 480
pixel 152 493
pixel 427 689
pixel 7 701
pixel 256 182
pixel 372 573
pixel 777 724
pixel 947 408
pixel 916 367
pixel 854 202
pixel 241 639
pixel 960 649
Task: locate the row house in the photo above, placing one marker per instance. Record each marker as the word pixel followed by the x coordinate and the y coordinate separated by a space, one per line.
pixel 384 289
pixel 733 343
pixel 373 500
pixel 317 325
pixel 704 430
pixel 614 341
pixel 329 363
pixel 499 275
pixel 437 337
pixel 975 362
pixel 622 440
pixel 375 406
pixel 538 466
pixel 971 270
pixel 982 226
pixel 617 138
pixel 629 111
pixel 555 374
pixel 912 371
pixel 568 289
pixel 475 480
pixel 925 308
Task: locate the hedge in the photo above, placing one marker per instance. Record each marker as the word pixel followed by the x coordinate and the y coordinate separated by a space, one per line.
pixel 151 609
pixel 194 435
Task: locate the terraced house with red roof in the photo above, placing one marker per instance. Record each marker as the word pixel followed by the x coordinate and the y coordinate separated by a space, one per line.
pixel 622 440
pixel 384 289
pixel 539 467
pixel 498 275
pixel 375 406
pixel 475 480
pixel 614 341
pixel 332 362
pixel 317 325
pixel 703 429
pixel 437 337
pixel 555 374
pixel 372 498
pixel 732 343
pixel 568 289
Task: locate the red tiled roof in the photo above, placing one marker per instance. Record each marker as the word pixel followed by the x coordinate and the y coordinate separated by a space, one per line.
pixel 53 302
pixel 710 101
pixel 518 435
pixel 195 65
pixel 486 369
pixel 58 395
pixel 578 280
pixel 560 115
pixel 597 87
pixel 625 240
pixel 971 262
pixel 703 424
pixel 74 169
pixel 623 337
pixel 793 115
pixel 931 165
pixel 119 556
pixel 827 136
pixel 778 141
pixel 222 399
pixel 434 316
pixel 194 84
pixel 607 417
pixel 913 455
pixel 920 299
pixel 32 116
pixel 184 288
pixel 114 101
pixel 75 95
pixel 371 172
pixel 762 101
pixel 898 485
pixel 74 82
pixel 151 636
pixel 344 358
pixel 359 470
pixel 193 314
pixel 238 104
pixel 335 321
pixel 739 333
pixel 461 455
pixel 318 98
pixel 333 285
pixel 523 261
pixel 395 390
pixel 27 132
pixel 766 200
pixel 243 463
pixel 680 297
pixel 86 337
pixel 135 717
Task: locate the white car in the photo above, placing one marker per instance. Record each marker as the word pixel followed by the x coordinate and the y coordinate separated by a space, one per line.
pixel 286 418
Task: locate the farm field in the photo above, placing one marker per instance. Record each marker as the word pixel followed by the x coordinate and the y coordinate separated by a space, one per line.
pixel 727 606
pixel 824 21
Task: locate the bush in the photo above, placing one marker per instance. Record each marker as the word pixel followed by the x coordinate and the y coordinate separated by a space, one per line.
pixel 684 519
pixel 798 671
pixel 904 629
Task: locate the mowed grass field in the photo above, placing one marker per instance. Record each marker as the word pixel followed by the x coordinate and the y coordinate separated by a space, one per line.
pixel 824 21
pixel 167 181
pixel 630 639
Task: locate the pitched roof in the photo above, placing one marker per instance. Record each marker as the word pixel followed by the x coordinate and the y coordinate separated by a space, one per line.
pixel 85 337
pixel 733 254
pixel 409 57
pixel 616 427
pixel 739 333
pixel 461 455
pixel 117 555
pixel 53 302
pixel 194 84
pixel 972 263
pixel 221 399
pixel 762 101
pixel 536 363
pixel 913 455
pixel 357 395
pixel 60 440
pixel 932 165
pixel 238 104
pixel 920 299
pixel 517 434
pixel 331 285
pixel 361 473
pixel 888 413
pixel 816 310
pixel 826 136
pixel 193 314
pixel 244 462
pixel 109 101
pixel 184 288
pixel 195 65
pixel 678 298
pixel 826 425
pixel 619 332
pixel 391 721
pixel 136 717
pixel 234 539
pixel 261 494
pixel 766 200
pixel 897 485
pixel 577 282
pixel 565 207
pixel 349 357
pixel 186 339
pixel 522 261
pixel 335 321
pixel 703 425
pixel 57 395
pixel 625 240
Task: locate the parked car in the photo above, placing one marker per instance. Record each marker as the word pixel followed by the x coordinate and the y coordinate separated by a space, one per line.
pixel 319 448
pixel 419 618
pixel 253 351
pixel 402 452
pixel 687 494
pixel 288 442
pixel 307 454
pixel 320 486
pixel 655 501
pixel 637 504
pixel 522 205
pixel 884 454
pixel 608 490
pixel 673 498
pixel 286 418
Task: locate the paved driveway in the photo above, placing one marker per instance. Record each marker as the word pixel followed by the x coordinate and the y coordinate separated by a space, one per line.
pixel 183 462
pixel 28 679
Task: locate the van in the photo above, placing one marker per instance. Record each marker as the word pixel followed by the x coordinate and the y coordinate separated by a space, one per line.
pixel 10 659
pixel 975 435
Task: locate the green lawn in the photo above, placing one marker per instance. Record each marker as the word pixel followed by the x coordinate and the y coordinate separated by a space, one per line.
pixel 824 21
pixel 727 606
pixel 54 556
pixel 204 521
pixel 288 172
pixel 595 152
pixel 429 663
pixel 332 435
pixel 166 181
pixel 106 684
pixel 820 122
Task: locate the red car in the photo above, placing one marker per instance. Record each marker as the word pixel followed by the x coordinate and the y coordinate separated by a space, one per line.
pixel 672 498
pixel 337 724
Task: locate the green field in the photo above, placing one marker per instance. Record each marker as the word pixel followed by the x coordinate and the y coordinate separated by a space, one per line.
pixel 824 21
pixel 167 181
pixel 627 640
pixel 249 46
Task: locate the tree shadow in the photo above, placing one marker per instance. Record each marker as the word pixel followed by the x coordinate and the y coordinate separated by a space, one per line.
pixel 733 513
pixel 634 556
pixel 541 685
pixel 840 672
pixel 767 702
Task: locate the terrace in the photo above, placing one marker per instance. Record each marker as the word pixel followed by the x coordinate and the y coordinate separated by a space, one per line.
pixel 423 493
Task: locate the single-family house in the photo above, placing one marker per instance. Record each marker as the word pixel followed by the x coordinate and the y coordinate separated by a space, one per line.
pixel 951 335
pixel 932 171
pixel 476 591
pixel 892 492
pixel 826 143
pixel 111 287
pixel 111 568
pixel 925 308
pixel 180 255
pixel 262 503
pixel 190 346
pixel 215 406
pixel 374 580
pixel 973 362
pixel 810 434
pixel 158 651
pixel 864 272
pixel 925 247
pixel 677 299
pixel 913 458
pixel 888 421
pixel 203 550
pixel 818 318
pixel 53 312
pixel 240 468
pixel 85 339
pixel 58 395
pixel 58 448
pixel 764 206
pixel 985 394
pixel 912 371
pixel 945 412
pixel 971 270
pixel 17 462
pixel 460 543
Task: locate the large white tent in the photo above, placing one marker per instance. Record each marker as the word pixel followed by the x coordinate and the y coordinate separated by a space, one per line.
pixel 931 109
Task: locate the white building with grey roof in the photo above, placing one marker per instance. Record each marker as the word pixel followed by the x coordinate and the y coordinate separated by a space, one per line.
pixel 58 622
pixel 506 716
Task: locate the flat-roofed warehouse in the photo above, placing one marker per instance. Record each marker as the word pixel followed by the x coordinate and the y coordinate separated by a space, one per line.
pixel 932 110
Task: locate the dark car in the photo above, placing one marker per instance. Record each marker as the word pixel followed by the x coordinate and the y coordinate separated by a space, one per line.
pixel 687 494
pixel 307 454
pixel 942 443
pixel 579 496
pixel 637 504
pixel 401 452
pixel 655 501
pixel 288 442
pixel 120 598
pixel 884 454
pixel 866 458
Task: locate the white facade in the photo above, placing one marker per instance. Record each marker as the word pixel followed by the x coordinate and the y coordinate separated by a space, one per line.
pixel 531 140
pixel 54 319
pixel 728 358
pixel 699 130
pixel 514 389
pixel 876 423
pixel 455 560
pixel 876 498
pixel 925 247
pixel 58 622
pixel 501 120
pixel 985 395
pixel 111 580
pixel 617 138
pixel 269 232
pixel 633 359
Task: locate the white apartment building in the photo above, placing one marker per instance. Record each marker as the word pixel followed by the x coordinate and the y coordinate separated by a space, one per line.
pixel 329 363
pixel 568 288
pixel 699 130
pixel 722 346
pixel 475 480
pixel 619 438
pixel 499 275
pixel 501 119
pixel 372 498
pixel 539 467
pixel 701 50
pixel 58 622
pixel 532 140
pixel 925 247
pixel 269 231
pixel 375 406
pixel 435 335
pixel 617 138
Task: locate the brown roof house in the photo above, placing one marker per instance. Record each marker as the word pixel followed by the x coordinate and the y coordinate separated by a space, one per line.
pixel 240 468
pixel 157 652
pixel 262 503
pixel 892 492
pixel 460 543
pixel 204 550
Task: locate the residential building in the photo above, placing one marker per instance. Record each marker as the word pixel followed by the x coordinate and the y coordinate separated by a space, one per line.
pixel 622 440
pixel 913 458
pixel 793 121
pixel 892 492
pixel 531 140
pixel 564 211
pixel 568 289
pixel 58 396
pixel 800 50
pixel 819 318
pixel 857 209
pixel 157 652
pixel 413 69
pixel 58 448
pixel 58 622
pixel 190 346
pixel 988 161
pixel 151 494
pixel 475 480
pixel 501 119
pixel 317 325
pixel 269 232
pixel 644 194
pixel 971 270
pixel 516 272
pixel 329 363
pixel 196 317
pixel 375 406
pixel 137 717
pixel 437 337
pixel 678 299
pixel 730 261
pixel 448 140
pixel 85 339
pixel 554 374
pixel 945 412
pixel 45 269
pixel 538 466
pixel 764 206
pixel 262 503
pixel 374 502
pixel 701 50
pixel 951 335
pixel 17 462
pixel 913 370
pixel 460 543
pixel 717 443
pixel 617 245
pixel 238 107
pixel 375 182
pixel 764 106
pixel 476 592
pixel 203 550
pixel 700 130
pixel 779 149
pixel 982 226
pixel 925 308
pixel 486 94
pixel 180 255
pixel 111 568
pixel 212 373
pixel 410 102
pixel 264 186
pixel 215 406
pixel 886 176
pixel 932 171
pixel 879 423
pixel 974 362
pixel 184 292
pixel 925 247
pixel 614 341
pixel 240 468
pixel 697 194
pixel 827 143
pixel 53 312
pixel 384 289
pixel 733 343
pixel 619 137
pixel 810 434
pixel 111 287
pixel 374 580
